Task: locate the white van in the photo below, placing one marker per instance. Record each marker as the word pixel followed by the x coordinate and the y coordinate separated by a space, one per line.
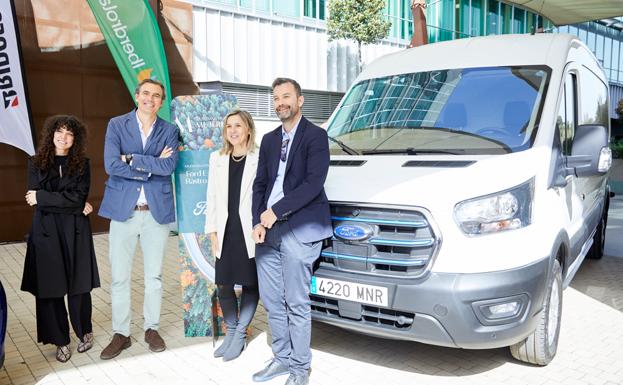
pixel 468 182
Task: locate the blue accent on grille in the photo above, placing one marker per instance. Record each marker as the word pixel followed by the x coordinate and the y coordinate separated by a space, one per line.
pixel 395 242
pixel 330 254
pixel 382 221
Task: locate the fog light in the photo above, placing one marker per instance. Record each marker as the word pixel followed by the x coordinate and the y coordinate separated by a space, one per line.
pixel 504 310
pixel 501 310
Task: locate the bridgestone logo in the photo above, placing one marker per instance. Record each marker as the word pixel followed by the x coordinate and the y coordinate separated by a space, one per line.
pixel 9 95
pixel 121 33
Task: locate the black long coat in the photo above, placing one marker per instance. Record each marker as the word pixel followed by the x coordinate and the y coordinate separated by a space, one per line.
pixel 60 258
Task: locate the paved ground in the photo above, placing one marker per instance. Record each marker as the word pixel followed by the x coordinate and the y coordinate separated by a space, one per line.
pixel 590 349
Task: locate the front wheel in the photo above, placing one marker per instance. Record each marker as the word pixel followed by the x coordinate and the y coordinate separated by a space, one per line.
pixel 540 347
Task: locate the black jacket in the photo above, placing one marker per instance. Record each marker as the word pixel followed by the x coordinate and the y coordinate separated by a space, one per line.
pixel 60 257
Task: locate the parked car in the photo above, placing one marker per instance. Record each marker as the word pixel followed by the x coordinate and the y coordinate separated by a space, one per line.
pixel 3 322
pixel 468 182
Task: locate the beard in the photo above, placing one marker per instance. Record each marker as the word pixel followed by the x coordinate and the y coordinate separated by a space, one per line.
pixel 285 114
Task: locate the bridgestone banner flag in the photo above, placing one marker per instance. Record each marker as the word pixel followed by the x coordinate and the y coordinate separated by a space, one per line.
pixel 15 127
pixel 133 38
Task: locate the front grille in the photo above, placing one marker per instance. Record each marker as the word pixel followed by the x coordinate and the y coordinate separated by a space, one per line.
pixel 389 241
pixel 346 163
pixel 438 163
pixel 371 315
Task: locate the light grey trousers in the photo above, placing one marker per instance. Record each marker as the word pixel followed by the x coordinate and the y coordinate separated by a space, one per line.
pixel 122 239
pixel 284 270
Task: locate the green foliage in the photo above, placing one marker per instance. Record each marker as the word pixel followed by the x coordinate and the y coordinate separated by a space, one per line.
pixel 359 20
pixel 619 110
pixel 616 146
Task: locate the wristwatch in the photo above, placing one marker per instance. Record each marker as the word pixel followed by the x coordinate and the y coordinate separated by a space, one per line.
pixel 128 158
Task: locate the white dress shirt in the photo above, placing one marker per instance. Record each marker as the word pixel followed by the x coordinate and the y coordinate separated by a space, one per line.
pixel 277 192
pixel 142 200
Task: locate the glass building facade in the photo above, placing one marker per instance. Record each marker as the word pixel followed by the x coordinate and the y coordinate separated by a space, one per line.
pixel 396 11
pixel 455 19
pixel 605 42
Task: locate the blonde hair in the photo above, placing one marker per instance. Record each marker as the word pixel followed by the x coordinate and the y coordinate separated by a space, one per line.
pixel 248 120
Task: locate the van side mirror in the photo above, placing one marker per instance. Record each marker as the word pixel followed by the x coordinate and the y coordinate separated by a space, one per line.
pixel 590 153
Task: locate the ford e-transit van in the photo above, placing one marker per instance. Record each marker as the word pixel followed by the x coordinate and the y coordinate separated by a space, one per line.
pixel 468 182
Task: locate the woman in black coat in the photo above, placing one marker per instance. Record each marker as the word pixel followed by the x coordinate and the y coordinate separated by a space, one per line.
pixel 60 258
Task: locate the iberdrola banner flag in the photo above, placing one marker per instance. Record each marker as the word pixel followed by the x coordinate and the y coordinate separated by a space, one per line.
pixel 133 38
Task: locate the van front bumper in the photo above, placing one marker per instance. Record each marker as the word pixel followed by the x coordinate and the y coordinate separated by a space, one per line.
pixel 443 308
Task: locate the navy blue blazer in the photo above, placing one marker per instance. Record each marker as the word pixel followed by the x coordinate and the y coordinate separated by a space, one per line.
pixel 153 173
pixel 304 203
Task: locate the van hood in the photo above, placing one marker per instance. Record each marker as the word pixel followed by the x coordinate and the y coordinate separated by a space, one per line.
pixel 427 181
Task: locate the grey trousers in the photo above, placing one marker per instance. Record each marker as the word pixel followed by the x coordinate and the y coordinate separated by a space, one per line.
pixel 122 239
pixel 284 270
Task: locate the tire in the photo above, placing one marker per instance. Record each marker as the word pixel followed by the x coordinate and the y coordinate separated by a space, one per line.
pixel 539 348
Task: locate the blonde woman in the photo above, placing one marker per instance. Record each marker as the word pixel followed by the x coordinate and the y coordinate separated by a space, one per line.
pixel 230 181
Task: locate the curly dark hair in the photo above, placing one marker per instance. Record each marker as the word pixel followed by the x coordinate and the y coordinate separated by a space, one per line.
pixel 76 159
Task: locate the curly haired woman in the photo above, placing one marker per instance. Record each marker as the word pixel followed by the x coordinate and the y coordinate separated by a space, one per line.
pixel 60 258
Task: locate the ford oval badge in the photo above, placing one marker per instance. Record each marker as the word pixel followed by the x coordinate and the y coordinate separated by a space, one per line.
pixel 353 232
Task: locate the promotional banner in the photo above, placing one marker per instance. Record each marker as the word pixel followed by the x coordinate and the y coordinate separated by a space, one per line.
pixel 199 119
pixel 15 124
pixel 133 38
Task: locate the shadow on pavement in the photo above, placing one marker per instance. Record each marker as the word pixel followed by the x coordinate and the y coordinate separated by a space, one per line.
pixel 406 356
pixel 602 279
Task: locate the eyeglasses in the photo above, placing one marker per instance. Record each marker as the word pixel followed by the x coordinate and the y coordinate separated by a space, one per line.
pixel 284 149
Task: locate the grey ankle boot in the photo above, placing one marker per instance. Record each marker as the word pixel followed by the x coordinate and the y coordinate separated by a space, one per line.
pixel 237 345
pixel 229 336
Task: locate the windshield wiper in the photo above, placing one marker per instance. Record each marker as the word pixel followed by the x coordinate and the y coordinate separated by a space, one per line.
pixel 410 151
pixel 344 147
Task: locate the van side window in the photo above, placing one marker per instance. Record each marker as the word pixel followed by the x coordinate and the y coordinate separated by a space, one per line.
pixel 566 119
pixel 593 99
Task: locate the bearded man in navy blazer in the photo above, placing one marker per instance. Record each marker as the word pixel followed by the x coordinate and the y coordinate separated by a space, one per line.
pixel 140 153
pixel 291 217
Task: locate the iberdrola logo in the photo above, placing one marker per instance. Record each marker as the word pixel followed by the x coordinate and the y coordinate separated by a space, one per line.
pixel 144 74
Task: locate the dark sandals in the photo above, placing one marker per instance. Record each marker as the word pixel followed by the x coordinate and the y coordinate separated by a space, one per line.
pixel 63 353
pixel 86 343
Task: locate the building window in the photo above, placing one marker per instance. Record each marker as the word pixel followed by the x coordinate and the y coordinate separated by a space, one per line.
pixel 314 9
pixel 519 16
pixel 477 27
pixel 493 18
pixel 256 5
pixel 462 17
pixel 398 12
pixel 506 17
pixel 287 8
pixel 440 19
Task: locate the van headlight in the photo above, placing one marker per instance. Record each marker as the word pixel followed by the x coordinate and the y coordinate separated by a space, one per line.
pixel 504 210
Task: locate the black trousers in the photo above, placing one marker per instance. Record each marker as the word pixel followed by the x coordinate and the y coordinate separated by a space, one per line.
pixel 52 325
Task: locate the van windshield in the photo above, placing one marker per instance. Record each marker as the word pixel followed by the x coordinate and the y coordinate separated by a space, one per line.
pixel 458 111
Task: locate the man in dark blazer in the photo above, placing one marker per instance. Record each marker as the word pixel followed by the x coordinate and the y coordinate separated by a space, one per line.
pixel 290 217
pixel 140 153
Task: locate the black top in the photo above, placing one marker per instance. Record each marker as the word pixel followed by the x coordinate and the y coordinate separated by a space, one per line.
pixel 59 169
pixel 235 181
pixel 234 266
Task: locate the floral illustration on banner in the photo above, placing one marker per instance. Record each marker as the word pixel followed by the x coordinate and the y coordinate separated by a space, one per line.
pixel 199 119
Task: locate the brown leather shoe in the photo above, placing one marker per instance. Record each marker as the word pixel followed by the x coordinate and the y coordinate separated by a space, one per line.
pixel 156 343
pixel 116 345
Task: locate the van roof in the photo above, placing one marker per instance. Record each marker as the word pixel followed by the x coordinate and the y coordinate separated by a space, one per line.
pixel 549 49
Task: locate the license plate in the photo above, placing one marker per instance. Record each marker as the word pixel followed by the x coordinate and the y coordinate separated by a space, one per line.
pixel 357 292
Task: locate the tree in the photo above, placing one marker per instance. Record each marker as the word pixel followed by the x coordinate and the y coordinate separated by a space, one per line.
pixel 619 110
pixel 359 20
